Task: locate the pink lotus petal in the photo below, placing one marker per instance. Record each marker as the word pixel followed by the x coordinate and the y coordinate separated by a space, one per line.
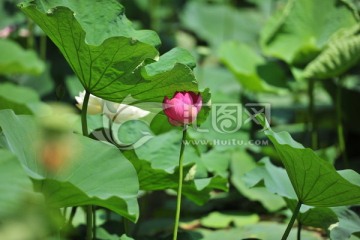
pixel 198 102
pixel 188 98
pixel 175 109
pixel 174 123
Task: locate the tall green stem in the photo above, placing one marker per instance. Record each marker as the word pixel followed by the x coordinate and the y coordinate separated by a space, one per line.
pixel 43 40
pixel 126 227
pixel 292 220
pixel 89 222
pixel 340 128
pixel 30 38
pixel 93 209
pixel 179 192
pixel 299 231
pixel 311 115
pixel 64 212
pixel 85 131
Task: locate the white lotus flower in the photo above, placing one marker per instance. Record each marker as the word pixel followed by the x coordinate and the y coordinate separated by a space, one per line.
pixel 95 104
pixel 116 112
pixel 120 113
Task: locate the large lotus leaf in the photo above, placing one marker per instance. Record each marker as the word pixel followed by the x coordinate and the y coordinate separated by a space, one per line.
pixel 16 60
pixel 299 31
pixel 318 217
pixel 321 217
pixel 216 23
pixel 252 71
pixel 114 69
pixel 225 219
pixel 100 20
pixel 315 181
pixel 169 60
pixel 102 234
pixel 3 142
pixel 17 131
pixel 349 223
pixel 14 183
pixel 82 181
pixel 163 151
pixel 20 99
pixel 242 163
pixel 197 190
pixel 215 133
pixel 335 59
pixel 217 161
pixel 277 181
pixel 156 161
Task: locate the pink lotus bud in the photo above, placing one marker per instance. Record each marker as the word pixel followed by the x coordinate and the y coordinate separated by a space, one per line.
pixel 183 108
pixel 5 32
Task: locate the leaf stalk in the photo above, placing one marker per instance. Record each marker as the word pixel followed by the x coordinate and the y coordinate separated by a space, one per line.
pixel 85 132
pixel 292 220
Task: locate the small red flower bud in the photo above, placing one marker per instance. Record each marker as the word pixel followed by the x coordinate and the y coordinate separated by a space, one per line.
pixel 183 108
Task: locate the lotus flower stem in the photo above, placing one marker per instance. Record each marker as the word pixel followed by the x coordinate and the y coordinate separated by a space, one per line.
pixel 292 220
pixel 179 192
pixel 89 208
pixel 182 109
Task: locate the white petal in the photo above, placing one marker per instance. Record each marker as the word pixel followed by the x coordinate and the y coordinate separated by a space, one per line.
pixel 79 99
pixel 127 112
pixel 95 104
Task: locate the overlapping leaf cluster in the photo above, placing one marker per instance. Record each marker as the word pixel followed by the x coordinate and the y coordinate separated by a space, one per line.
pixel 113 61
